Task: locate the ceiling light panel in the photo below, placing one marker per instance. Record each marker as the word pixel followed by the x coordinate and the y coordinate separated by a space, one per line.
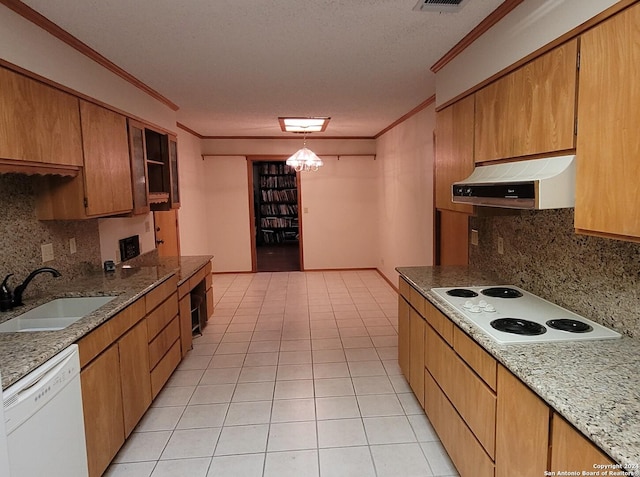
pixel 302 125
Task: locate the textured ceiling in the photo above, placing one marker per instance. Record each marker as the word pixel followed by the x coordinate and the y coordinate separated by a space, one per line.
pixel 234 66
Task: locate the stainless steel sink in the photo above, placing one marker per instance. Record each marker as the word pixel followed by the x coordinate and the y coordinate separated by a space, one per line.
pixel 55 314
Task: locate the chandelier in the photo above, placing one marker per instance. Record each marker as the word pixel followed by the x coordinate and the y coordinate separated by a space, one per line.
pixel 305 159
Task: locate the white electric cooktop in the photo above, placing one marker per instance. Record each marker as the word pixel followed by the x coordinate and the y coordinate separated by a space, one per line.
pixel 511 315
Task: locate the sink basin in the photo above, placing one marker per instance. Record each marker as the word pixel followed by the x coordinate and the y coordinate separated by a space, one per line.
pixel 55 314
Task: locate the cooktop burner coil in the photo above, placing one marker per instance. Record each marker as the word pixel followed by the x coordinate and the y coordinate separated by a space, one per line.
pixel 518 326
pixel 462 292
pixel 573 326
pixel 501 292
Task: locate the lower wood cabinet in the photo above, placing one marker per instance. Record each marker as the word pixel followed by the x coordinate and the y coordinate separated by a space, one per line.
pixel 416 355
pixel 200 284
pixel 464 449
pixel 473 400
pixel 404 336
pixel 134 376
pixel 163 334
pixel 571 451
pixel 103 413
pixel 522 429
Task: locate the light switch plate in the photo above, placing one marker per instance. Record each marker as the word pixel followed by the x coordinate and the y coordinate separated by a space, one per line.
pixel 47 252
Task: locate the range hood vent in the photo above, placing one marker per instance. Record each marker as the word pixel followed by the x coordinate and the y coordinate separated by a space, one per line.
pixel 439 6
pixel 533 184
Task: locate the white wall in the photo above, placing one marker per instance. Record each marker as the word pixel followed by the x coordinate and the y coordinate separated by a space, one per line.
pixel 340 213
pixel 406 194
pixel 530 26
pixel 113 229
pixel 194 238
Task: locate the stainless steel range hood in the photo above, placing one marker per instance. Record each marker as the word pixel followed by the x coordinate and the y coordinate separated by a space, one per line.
pixel 547 183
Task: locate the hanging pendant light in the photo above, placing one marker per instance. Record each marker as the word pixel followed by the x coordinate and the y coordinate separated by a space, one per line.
pixel 305 159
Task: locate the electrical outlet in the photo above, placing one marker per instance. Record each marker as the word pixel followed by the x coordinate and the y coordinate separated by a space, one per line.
pixel 72 245
pixel 474 237
pixel 47 252
pixel 306 210
pixel 147 226
pixel 500 245
pixel 382 261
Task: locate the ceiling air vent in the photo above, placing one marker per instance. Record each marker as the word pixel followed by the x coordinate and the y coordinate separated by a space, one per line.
pixel 440 6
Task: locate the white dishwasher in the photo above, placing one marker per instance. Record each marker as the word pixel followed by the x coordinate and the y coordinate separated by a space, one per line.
pixel 44 420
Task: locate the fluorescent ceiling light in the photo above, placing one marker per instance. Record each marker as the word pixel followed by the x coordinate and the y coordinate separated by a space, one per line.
pixel 303 125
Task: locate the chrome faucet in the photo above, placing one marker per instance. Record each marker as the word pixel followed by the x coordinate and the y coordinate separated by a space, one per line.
pixel 19 290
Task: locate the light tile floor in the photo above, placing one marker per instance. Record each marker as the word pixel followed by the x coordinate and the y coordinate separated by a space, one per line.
pixel 295 375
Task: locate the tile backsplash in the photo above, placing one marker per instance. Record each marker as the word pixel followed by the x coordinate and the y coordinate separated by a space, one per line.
pixel 23 235
pixel 595 277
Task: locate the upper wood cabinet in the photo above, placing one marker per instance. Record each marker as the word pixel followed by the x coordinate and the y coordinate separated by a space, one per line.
pixel 531 110
pixel 107 172
pixel 138 155
pixel 608 149
pixel 103 186
pixel 37 122
pixel 454 151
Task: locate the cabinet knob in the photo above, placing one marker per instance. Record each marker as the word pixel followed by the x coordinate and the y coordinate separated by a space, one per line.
pixel 158 242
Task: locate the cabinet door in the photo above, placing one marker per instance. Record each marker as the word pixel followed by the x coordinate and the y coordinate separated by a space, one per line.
pixel 107 173
pixel 416 355
pixel 608 121
pixel 37 122
pixel 531 110
pixel 403 336
pixel 452 240
pixel 137 155
pixel 103 413
pixel 454 151
pixel 174 192
pixel 522 429
pixel 570 450
pixel 134 374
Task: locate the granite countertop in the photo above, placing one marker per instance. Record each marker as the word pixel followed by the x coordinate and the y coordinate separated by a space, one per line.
pixel 20 353
pixel 592 384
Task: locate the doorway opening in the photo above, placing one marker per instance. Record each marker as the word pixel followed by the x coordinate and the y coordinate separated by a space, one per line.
pixel 276 216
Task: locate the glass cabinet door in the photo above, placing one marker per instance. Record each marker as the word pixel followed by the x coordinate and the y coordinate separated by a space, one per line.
pixel 137 151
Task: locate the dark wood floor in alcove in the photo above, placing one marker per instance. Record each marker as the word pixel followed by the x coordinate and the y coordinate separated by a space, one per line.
pixel 278 258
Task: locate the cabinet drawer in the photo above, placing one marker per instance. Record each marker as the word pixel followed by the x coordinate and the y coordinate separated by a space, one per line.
pixel 478 359
pixel 461 445
pixel 161 316
pixel 183 290
pixel 443 325
pixel 165 367
pixel 162 343
pixel 197 278
pixel 160 293
pixel 418 301
pixel 107 333
pixel 471 397
pixel 208 280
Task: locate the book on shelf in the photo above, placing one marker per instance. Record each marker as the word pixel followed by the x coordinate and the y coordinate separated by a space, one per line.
pixel 279 209
pixel 276 168
pixel 284 195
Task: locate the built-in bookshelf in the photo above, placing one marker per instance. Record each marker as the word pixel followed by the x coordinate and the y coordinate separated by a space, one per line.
pixel 276 200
